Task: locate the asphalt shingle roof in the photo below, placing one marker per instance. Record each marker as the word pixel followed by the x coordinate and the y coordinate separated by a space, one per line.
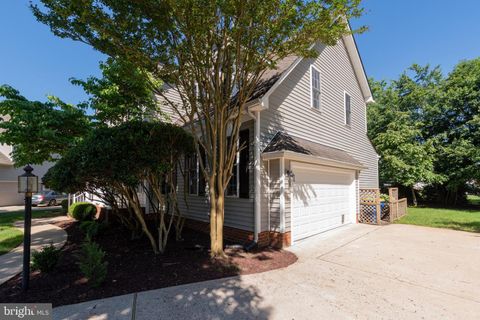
pixel 285 142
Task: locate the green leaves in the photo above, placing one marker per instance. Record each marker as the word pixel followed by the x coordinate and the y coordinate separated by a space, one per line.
pixel 39 131
pixel 124 93
pixel 427 128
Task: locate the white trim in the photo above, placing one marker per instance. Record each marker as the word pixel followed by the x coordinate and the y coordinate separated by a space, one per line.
pixel 345 93
pixel 311 159
pixel 282 195
pixel 284 75
pixel 269 181
pixel 354 55
pixel 312 67
pixel 257 212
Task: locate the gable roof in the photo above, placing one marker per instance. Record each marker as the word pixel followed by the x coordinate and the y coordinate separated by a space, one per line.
pixel 273 78
pixel 285 142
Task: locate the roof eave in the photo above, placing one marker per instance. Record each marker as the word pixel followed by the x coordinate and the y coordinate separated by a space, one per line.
pixel 290 155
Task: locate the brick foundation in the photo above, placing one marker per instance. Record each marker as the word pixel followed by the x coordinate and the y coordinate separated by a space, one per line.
pixel 265 238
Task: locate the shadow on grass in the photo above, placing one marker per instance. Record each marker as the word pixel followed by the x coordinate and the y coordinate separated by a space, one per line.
pixel 460 226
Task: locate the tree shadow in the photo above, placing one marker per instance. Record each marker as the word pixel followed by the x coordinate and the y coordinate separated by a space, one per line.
pixel 473 226
pixel 218 299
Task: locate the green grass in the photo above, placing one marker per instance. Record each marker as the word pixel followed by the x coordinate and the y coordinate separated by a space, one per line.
pixel 473 200
pixel 456 219
pixel 10 237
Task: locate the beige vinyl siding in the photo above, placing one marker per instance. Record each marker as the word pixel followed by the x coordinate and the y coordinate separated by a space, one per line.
pixel 290 109
pixel 238 211
pixel 165 107
pixel 274 200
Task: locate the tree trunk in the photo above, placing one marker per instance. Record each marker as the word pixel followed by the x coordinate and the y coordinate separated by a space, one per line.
pixel 217 207
pixel 414 198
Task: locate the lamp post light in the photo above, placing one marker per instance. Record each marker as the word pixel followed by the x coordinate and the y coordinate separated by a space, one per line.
pixel 27 184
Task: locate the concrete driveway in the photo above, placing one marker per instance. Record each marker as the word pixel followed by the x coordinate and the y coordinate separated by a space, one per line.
pixel 355 272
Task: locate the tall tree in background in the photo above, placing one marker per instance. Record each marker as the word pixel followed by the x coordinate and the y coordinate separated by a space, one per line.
pixel 456 130
pixel 39 131
pixel 213 53
pixel 396 130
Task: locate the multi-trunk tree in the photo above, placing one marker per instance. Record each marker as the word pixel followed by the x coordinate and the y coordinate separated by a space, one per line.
pixel 213 53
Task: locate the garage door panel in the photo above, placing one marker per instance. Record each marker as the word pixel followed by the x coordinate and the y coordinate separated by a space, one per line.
pixel 322 200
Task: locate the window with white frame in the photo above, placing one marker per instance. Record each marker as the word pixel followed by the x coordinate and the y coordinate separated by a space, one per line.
pixel 348 109
pixel 239 183
pixel 315 87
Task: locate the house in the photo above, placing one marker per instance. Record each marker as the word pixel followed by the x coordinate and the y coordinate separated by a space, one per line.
pixel 9 195
pixel 308 152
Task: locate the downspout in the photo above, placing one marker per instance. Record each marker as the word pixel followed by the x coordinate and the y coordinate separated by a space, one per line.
pixel 257 179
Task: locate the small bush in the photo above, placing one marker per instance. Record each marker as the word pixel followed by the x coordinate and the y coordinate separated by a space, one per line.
pixel 64 205
pixel 46 259
pixel 92 229
pixel 91 263
pixel 82 211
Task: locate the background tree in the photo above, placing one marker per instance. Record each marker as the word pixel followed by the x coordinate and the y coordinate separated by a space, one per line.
pixel 397 128
pixel 39 131
pixel 213 53
pixel 123 93
pixel 123 160
pixel 456 131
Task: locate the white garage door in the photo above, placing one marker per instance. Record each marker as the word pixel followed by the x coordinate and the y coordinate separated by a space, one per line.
pixel 322 199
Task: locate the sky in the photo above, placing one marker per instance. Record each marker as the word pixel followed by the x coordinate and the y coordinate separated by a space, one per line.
pixel 438 32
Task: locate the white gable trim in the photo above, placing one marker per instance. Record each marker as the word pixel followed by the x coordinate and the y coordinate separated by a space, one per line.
pixel 359 70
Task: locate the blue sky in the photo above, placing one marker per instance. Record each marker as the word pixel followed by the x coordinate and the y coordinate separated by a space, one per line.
pixel 403 32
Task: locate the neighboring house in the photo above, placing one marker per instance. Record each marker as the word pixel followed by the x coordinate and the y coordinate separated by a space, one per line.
pixel 308 152
pixel 9 178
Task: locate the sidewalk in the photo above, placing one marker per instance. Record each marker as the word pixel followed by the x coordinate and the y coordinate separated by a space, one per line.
pixel 43 233
pixel 22 208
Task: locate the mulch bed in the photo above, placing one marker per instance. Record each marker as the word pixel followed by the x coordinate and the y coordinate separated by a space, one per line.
pixel 132 267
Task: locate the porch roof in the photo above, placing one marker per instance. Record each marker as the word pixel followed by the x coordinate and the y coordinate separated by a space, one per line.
pixel 295 148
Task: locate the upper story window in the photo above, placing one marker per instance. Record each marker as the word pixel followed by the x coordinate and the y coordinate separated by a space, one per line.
pixel 348 109
pixel 315 87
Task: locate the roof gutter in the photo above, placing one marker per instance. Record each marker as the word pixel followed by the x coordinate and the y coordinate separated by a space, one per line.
pixel 311 159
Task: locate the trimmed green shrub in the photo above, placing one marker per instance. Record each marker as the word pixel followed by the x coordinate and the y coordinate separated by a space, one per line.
pixel 82 211
pixel 64 205
pixel 91 263
pixel 92 228
pixel 46 259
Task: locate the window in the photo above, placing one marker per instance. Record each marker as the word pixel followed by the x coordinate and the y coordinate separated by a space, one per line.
pixel 315 87
pixel 239 184
pixel 192 174
pixel 348 109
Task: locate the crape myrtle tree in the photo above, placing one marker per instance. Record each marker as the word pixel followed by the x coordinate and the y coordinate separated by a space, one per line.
pixel 213 53
pixel 39 131
pixel 122 160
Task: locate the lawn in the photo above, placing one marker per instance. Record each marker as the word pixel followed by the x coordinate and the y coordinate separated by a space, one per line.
pixel 457 219
pixel 10 237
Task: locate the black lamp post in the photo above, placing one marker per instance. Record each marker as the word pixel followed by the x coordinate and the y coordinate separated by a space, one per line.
pixel 28 184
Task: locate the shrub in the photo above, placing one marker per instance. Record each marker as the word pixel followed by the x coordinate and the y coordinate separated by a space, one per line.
pixel 92 228
pixel 91 263
pixel 64 205
pixel 82 211
pixel 46 259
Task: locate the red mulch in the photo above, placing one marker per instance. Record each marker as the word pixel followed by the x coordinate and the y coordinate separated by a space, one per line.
pixel 132 267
